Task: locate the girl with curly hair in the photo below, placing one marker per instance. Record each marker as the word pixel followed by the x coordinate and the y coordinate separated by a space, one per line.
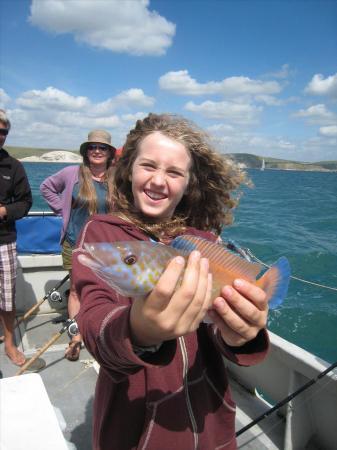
pixel 162 382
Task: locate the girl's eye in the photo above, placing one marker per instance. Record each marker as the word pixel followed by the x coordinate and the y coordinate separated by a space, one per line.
pixel 148 166
pixel 130 259
pixel 174 173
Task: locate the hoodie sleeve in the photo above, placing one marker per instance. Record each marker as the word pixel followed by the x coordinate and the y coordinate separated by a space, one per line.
pixel 249 354
pixel 103 318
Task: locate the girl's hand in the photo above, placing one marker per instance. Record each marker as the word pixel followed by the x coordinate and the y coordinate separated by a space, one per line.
pixel 240 313
pixel 170 311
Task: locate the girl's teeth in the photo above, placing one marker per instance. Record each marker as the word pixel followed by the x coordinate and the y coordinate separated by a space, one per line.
pixel 155 196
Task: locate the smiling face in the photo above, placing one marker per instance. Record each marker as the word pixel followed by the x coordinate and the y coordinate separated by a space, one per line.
pixel 160 175
pixel 98 154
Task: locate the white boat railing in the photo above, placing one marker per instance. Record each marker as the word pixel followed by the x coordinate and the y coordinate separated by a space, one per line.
pixel 311 417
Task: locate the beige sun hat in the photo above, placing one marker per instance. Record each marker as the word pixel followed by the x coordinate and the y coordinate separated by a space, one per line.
pixel 97 136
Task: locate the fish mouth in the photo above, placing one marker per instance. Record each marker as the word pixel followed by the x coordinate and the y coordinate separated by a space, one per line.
pixel 155 196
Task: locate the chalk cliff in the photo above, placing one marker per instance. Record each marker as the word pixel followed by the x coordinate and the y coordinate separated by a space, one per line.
pixel 54 156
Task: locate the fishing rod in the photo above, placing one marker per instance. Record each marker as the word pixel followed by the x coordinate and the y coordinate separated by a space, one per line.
pixel 70 326
pixel 54 296
pixel 287 399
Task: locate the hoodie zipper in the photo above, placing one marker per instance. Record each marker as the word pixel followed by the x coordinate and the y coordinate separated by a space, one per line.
pixel 187 396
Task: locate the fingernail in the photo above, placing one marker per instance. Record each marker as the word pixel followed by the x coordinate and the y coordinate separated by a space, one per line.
pixel 180 260
pixel 219 302
pixel 228 291
pixel 205 263
pixel 195 254
pixel 238 283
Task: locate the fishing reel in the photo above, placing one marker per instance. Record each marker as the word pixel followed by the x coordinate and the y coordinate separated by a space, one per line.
pixel 72 328
pixel 55 297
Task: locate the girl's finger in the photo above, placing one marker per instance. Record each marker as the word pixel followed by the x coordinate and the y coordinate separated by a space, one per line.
pixel 245 308
pixel 252 292
pixel 186 292
pixel 231 318
pixel 228 335
pixel 201 305
pixel 161 295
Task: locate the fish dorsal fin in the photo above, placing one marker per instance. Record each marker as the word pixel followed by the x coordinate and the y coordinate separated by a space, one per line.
pixel 218 256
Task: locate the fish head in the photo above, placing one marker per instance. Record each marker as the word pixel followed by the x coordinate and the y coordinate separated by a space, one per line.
pixel 132 268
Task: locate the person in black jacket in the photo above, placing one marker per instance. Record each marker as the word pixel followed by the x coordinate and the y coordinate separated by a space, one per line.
pixel 15 202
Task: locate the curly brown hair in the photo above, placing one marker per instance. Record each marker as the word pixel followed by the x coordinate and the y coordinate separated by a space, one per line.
pixel 209 198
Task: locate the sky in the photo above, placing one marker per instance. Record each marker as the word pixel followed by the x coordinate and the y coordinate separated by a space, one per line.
pixel 259 76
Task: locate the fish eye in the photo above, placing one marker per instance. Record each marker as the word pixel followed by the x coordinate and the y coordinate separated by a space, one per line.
pixel 130 259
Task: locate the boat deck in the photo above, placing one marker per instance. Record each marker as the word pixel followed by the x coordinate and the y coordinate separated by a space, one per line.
pixel 70 387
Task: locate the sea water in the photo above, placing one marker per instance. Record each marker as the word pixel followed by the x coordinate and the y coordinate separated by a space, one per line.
pixel 287 213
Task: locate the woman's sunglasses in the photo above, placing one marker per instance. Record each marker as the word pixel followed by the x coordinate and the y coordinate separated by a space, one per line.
pixel 100 147
pixel 3 131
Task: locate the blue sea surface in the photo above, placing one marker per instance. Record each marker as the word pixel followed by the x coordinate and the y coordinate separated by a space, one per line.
pixel 294 214
pixel 287 213
pixel 36 173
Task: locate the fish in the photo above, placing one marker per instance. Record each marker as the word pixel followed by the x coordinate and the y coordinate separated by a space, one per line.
pixel 133 268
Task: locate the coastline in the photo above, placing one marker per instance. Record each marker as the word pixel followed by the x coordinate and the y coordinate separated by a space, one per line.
pixel 244 161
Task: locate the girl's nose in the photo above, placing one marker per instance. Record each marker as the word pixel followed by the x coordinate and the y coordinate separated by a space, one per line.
pixel 158 178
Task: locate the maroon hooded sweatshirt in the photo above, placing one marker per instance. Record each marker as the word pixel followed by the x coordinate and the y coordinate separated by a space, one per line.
pixel 176 398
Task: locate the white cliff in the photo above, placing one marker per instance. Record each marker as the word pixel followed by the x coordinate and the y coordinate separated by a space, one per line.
pixel 55 156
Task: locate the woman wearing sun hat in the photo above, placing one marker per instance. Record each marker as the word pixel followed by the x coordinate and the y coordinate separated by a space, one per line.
pixel 75 193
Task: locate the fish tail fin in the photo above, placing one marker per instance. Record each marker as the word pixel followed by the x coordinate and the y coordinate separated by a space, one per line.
pixel 275 282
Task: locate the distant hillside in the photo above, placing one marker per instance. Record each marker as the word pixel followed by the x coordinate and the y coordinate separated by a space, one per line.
pixel 245 159
pixel 24 152
pixel 255 162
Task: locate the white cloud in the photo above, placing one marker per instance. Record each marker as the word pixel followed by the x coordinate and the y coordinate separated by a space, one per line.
pixel 51 98
pixel 221 127
pixel 4 98
pixel 317 114
pixel 52 118
pixel 321 148
pixel 181 83
pixel 82 120
pixel 283 73
pixel 329 131
pixel 242 142
pixel 239 113
pixel 282 147
pixel 133 117
pixel 126 26
pixel 55 99
pixel 269 100
pixel 126 99
pixel 322 86
pixel 134 97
